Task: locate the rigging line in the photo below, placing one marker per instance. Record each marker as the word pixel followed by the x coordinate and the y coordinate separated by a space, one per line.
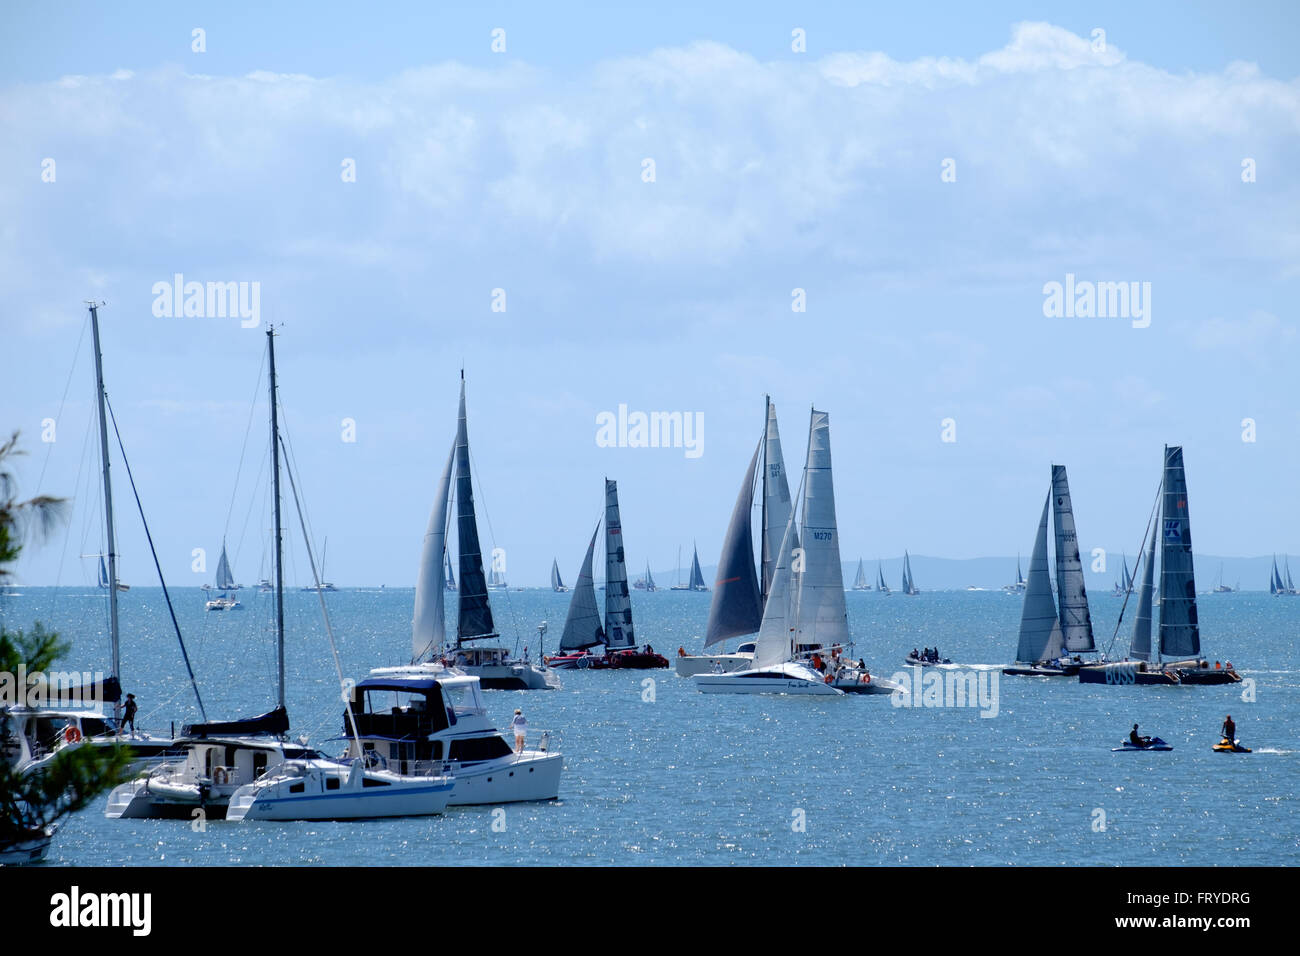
pixel 320 593
pixel 248 429
pixel 166 595
pixel 514 621
pixel 76 491
pixel 76 355
pixel 1154 507
pixel 252 503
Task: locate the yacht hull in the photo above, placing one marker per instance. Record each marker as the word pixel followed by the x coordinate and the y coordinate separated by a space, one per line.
pixel 690 665
pixel 533 776
pixel 1126 673
pixel 791 679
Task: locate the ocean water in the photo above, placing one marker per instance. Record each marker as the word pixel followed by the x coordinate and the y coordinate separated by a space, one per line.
pixel 658 774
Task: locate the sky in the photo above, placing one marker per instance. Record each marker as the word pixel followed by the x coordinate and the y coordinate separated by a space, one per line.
pixel 649 194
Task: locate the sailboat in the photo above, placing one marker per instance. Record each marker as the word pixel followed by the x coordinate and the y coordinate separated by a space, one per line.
pixel 679 586
pixel 1125 582
pixel 225 584
pixel 741 591
pixel 556 584
pixel 495 666
pixel 1050 633
pixel 804 617
pixel 219 757
pixel 1179 633
pixel 860 582
pixel 881 586
pixel 1278 585
pixel 646 583
pixel 322 585
pixel 909 583
pixel 583 630
pixel 1219 586
pixel 1019 586
pixel 451 578
pixel 73 716
pixel 697 576
pixel 103 575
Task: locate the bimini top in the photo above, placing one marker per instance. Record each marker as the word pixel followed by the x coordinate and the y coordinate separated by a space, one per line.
pixel 400 683
pixel 275 722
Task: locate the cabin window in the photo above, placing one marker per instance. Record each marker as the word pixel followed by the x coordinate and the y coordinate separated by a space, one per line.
pixel 479 748
pixel 296 788
pixel 331 783
pixel 371 782
pixel 259 764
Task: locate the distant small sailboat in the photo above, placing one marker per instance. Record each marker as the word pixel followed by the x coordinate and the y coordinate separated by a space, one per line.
pixel 324 585
pixel 697 576
pixel 103 576
pixel 679 586
pixel 881 586
pixel 646 583
pixel 1125 582
pixel 1219 586
pixel 1019 586
pixel 1277 585
pixel 225 583
pixel 860 582
pixel 556 584
pixel 909 583
pixel 451 578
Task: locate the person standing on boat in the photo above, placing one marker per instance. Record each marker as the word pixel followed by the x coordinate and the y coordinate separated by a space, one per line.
pixel 128 713
pixel 1229 729
pixel 520 726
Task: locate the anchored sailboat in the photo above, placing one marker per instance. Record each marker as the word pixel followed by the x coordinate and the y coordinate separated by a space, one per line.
pixel 860 582
pixel 1044 647
pixel 225 583
pixel 1019 586
pixel 881 586
pixel 556 583
pixel 1179 633
pixel 804 616
pixel 583 630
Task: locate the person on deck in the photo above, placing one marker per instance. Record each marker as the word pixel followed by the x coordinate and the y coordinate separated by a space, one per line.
pixel 520 727
pixel 128 713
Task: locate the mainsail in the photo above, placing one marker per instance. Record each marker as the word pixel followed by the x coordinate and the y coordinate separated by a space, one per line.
pixel 618 603
pixel 737 605
pixel 822 618
pixel 1274 581
pixel 429 625
pixel 582 627
pixel 556 583
pixel 1140 646
pixel 776 499
pixel 475 618
pixel 697 576
pixel 649 578
pixel 774 645
pixel 225 580
pixel 1040 627
pixel 909 583
pixel 880 578
pixel 1180 633
pixel 1076 622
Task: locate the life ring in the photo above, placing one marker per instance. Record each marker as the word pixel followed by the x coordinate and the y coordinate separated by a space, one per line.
pixel 827 679
pixel 71 734
pixel 866 678
pixel 221 776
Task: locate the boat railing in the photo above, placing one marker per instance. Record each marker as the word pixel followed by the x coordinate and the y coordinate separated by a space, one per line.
pixel 537 739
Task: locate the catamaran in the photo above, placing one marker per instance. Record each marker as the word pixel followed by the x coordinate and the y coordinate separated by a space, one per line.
pixel 583 630
pixel 219 757
pixel 1125 582
pixel 804 632
pixel 1179 633
pixel 557 584
pixel 494 665
pixel 741 591
pixel 909 583
pixel 860 582
pixel 1048 634
pixel 225 583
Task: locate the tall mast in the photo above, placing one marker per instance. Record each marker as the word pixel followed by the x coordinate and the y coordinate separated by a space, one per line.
pixel 279 543
pixel 114 641
pixel 762 543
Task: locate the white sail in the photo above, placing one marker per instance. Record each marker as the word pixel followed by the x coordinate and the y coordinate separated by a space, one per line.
pixel 582 626
pixel 429 624
pixel 1040 627
pixel 776 500
pixel 1076 622
pixel 775 642
pixel 225 580
pixel 618 603
pixel 822 619
pixel 860 581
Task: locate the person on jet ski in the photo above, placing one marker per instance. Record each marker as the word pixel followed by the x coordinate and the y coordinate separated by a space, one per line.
pixel 1136 739
pixel 1229 730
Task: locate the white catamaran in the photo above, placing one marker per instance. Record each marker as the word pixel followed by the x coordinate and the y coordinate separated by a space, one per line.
pixel 804 632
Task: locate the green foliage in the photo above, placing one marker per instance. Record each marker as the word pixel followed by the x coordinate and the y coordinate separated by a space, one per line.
pixel 71 780
pixel 36 651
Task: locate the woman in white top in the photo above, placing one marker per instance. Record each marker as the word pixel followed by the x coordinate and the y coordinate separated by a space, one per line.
pixel 520 726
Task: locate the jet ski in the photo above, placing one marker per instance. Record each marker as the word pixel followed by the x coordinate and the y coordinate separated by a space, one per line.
pixel 1155 744
pixel 1226 746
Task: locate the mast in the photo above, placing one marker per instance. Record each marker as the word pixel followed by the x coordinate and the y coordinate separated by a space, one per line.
pixel 762 544
pixel 113 633
pixel 279 535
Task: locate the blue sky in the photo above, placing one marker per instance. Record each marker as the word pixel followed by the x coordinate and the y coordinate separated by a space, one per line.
pixel 774 170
